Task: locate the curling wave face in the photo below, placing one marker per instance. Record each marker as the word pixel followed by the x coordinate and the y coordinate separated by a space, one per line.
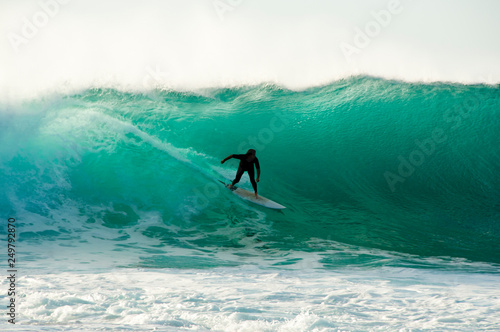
pixel 405 167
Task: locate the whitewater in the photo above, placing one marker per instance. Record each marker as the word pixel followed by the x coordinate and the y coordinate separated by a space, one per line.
pixel 379 138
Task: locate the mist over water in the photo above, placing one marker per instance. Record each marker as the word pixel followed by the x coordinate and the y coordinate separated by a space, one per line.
pixel 55 46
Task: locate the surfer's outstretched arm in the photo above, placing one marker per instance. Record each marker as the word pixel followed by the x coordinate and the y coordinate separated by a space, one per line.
pixel 225 159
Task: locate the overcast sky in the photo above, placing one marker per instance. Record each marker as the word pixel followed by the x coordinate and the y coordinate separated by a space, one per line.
pixel 188 43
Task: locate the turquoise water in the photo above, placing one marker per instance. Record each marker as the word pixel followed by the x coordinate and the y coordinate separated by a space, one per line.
pixel 404 167
pixel 391 191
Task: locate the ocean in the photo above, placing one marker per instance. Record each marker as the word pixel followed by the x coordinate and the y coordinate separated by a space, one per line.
pixel 114 217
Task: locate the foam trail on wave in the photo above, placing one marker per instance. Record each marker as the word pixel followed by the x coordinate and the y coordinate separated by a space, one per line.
pixel 183 155
pixel 178 153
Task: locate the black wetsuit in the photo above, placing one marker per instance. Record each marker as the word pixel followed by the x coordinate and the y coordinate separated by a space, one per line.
pixel 246 166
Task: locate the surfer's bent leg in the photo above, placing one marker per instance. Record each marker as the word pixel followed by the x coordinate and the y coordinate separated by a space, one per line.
pixel 251 174
pixel 239 173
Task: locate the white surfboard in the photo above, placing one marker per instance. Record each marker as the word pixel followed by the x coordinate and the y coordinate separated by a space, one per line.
pixel 249 196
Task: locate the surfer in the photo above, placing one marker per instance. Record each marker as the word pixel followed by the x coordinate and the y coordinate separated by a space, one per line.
pixel 247 162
